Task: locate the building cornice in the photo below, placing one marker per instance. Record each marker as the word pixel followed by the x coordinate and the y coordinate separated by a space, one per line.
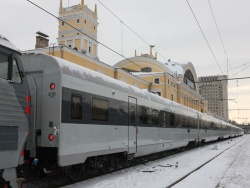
pixel 66 32
pixel 77 16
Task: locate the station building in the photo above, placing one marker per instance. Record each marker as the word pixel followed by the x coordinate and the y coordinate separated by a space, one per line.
pixel 171 80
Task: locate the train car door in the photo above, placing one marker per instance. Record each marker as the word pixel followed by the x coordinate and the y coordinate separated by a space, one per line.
pixel 132 126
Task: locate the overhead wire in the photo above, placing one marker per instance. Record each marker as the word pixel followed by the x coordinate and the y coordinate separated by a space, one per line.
pixel 84 33
pixel 237 67
pixel 133 31
pixel 204 35
pixel 240 71
pixel 91 37
pixel 222 43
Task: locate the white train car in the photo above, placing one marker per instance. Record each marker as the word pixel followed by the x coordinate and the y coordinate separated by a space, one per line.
pixel 80 114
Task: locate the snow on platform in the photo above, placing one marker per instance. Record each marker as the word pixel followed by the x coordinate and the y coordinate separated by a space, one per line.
pixel 230 169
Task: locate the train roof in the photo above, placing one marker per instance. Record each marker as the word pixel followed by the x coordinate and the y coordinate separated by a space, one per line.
pixel 80 72
pixel 7 44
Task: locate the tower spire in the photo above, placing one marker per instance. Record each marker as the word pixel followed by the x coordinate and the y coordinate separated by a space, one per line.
pixel 60 8
pixel 82 3
pixel 95 10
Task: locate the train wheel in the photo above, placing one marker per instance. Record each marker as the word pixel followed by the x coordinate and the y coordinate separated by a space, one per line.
pixel 104 168
pixel 73 173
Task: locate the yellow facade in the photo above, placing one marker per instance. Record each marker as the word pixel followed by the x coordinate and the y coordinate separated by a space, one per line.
pixel 144 72
pixel 78 28
pixel 164 81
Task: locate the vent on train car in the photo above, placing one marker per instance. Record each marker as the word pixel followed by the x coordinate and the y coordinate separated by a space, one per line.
pixel 52 86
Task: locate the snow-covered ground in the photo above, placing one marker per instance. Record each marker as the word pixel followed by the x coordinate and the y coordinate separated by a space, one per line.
pixel 229 170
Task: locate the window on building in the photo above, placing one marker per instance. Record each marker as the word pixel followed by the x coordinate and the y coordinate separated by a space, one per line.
pixel 85 21
pixel 94 27
pixel 100 109
pixel 62 23
pixel 146 69
pixel 90 47
pixel 76 107
pixel 157 80
pixel 69 43
pixel 158 93
pixel 172 97
pixel 168 81
pixel 143 115
pixel 78 20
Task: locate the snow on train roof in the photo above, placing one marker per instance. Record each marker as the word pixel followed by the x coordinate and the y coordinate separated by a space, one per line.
pixel 5 42
pixel 90 75
pixel 80 72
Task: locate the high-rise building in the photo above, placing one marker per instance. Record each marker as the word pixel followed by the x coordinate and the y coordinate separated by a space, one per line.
pixel 215 90
pixel 83 37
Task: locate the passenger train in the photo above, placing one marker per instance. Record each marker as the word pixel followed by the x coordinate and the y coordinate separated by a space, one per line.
pixel 71 116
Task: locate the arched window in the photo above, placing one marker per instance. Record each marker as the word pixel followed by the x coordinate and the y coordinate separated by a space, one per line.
pixel 189 79
pixel 146 69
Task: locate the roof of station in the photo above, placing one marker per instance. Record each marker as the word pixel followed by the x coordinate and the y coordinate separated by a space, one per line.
pixel 173 68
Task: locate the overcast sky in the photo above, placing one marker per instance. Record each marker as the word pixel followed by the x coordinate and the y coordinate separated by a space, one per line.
pixel 167 24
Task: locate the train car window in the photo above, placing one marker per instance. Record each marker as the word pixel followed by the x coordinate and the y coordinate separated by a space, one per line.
pixel 178 120
pixel 188 121
pixel 155 117
pixel 100 109
pixel 206 125
pixel 192 122
pixel 16 73
pixel 212 125
pixel 76 107
pixel 132 114
pixel 143 115
pixel 164 119
pixel 201 124
pixel 183 121
pixel 4 66
pixel 172 119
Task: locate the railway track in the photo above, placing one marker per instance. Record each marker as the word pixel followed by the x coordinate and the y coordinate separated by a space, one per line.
pixel 53 181
pixel 203 164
